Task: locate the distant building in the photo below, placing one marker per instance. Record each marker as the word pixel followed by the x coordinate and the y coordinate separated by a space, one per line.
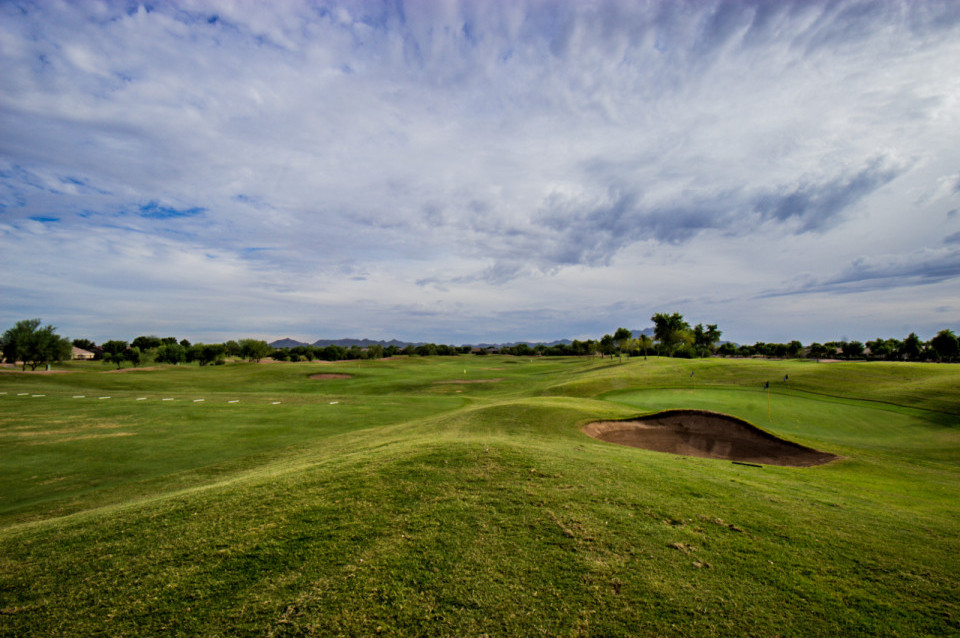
pixel 79 354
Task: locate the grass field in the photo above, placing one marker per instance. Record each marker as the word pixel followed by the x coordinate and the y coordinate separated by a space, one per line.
pixel 458 497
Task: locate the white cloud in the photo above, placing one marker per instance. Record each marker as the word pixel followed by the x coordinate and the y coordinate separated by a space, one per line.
pixel 487 165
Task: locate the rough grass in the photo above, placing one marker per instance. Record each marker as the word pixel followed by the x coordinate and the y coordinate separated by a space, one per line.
pixel 410 507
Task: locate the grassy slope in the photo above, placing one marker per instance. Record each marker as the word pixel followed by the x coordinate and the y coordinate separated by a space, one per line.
pixel 419 508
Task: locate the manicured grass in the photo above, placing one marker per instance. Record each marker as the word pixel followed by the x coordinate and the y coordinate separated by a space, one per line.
pixel 390 503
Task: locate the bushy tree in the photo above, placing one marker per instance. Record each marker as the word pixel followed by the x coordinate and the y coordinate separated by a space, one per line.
pixel 136 356
pixel 670 330
pixel 705 339
pixel 946 346
pixel 727 349
pixel 254 349
pixel 852 349
pixel 621 338
pixel 172 353
pixel 114 351
pixel 912 347
pixel 206 353
pixel 32 345
pixel 145 343
pixel 607 345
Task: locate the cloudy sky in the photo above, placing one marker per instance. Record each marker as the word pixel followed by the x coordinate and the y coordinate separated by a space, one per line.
pixel 480 170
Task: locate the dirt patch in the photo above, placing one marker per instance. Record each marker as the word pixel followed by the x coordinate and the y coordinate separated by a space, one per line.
pixel 330 375
pixel 468 381
pixel 706 434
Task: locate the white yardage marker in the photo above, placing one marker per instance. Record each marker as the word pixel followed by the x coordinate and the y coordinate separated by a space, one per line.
pixel 166 399
pixel 141 398
pixel 197 400
pixel 38 395
pixel 22 394
pixel 234 401
pixel 275 403
pixel 101 398
pixel 79 396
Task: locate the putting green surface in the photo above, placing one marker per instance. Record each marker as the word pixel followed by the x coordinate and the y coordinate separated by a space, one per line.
pixel 458 496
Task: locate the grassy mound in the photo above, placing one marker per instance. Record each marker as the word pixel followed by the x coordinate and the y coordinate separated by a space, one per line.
pixel 390 503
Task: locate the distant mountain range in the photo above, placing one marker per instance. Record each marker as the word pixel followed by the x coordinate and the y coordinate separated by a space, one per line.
pixel 366 343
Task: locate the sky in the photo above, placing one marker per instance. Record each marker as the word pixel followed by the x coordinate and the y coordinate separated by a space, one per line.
pixel 481 170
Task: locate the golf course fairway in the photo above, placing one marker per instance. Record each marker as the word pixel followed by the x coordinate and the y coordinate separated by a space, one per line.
pixel 460 496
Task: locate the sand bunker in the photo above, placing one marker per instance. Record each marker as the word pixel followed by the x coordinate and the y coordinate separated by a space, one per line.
pixel 706 434
pixel 329 375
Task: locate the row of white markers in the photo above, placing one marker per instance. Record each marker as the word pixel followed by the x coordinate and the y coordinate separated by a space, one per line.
pixel 83 396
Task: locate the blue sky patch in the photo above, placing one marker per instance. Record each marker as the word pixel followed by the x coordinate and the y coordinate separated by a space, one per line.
pixel 153 210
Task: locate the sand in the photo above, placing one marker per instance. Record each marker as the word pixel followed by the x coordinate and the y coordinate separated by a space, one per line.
pixel 706 434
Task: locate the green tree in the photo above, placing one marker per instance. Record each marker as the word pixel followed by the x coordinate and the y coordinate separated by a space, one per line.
pixel 644 342
pixel 912 347
pixel 621 338
pixel 607 345
pixel 135 355
pixel 727 349
pixel 233 348
pixel 172 353
pixel 206 353
pixel 853 349
pixel 704 339
pixel 32 345
pixel 114 352
pixel 670 330
pixel 146 342
pixel 946 346
pixel 254 349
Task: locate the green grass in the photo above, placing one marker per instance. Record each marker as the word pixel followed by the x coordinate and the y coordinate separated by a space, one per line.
pixel 390 503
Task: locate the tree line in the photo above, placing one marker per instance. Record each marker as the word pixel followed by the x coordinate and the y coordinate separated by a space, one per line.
pixel 33 345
